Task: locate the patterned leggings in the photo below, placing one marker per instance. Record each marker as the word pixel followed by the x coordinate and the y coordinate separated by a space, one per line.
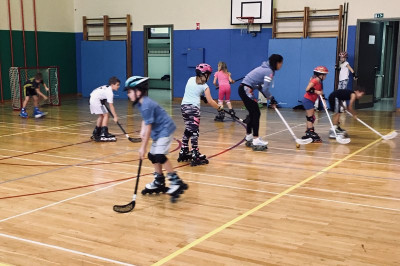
pixel 191 117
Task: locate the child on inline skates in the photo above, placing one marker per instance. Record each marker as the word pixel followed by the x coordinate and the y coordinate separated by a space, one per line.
pixel 190 107
pixel 158 125
pixel 313 91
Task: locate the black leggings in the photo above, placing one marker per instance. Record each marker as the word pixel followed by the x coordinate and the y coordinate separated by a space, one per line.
pixel 254 112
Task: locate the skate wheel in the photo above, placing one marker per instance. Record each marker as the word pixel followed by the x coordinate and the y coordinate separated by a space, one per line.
pixel 297 145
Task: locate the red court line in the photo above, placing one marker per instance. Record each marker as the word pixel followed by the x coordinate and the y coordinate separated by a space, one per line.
pixel 86 164
pixel 51 149
pixel 122 179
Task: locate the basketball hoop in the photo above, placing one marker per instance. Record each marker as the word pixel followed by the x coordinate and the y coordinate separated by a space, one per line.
pixel 249 21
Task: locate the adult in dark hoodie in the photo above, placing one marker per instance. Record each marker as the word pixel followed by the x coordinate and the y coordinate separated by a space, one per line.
pixel 260 78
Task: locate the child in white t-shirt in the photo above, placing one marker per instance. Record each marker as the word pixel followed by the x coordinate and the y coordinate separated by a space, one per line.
pixel 98 98
pixel 344 68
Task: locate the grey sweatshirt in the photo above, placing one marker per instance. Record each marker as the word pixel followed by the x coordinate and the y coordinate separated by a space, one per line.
pixel 260 78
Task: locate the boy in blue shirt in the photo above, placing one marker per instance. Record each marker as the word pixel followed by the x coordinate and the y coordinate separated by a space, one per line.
pixel 158 125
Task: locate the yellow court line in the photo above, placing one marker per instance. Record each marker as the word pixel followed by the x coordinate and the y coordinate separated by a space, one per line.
pixel 249 212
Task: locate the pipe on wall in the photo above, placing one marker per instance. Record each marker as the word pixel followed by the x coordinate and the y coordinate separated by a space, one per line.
pixel 11 38
pixel 23 30
pixel 36 38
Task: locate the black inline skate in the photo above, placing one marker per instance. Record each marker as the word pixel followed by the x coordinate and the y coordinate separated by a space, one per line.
pixel 157 186
pixel 220 116
pixel 96 134
pixel 105 136
pixel 310 133
pixel 198 158
pixel 184 155
pixel 176 187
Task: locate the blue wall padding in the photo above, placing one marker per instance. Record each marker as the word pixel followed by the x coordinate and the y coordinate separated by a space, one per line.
pixel 318 52
pixel 287 79
pixel 301 56
pixel 241 52
pixel 194 56
pixel 137 53
pixel 78 40
pixel 101 60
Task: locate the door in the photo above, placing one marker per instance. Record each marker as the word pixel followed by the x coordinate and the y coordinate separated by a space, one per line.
pixel 369 60
pixel 158 60
pixel 389 60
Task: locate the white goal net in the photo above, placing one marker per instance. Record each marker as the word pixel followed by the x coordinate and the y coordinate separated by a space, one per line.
pixel 18 77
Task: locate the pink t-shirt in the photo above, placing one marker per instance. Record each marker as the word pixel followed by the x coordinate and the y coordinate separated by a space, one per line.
pixel 223 78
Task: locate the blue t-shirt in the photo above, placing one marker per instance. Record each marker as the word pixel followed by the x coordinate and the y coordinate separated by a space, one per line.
pixel 193 91
pixel 152 113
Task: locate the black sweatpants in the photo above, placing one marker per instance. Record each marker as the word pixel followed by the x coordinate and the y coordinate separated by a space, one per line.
pixel 253 125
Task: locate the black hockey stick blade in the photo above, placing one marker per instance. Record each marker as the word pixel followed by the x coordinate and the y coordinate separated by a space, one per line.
pixel 235 117
pixel 131 205
pixel 125 208
pixel 134 140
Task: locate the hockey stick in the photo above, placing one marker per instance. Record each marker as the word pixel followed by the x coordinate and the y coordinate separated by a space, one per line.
pixel 131 205
pixel 217 88
pixel 385 137
pixel 134 140
pixel 339 138
pixel 298 141
pixel 234 116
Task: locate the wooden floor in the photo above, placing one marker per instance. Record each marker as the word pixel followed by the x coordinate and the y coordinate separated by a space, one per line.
pixel 322 204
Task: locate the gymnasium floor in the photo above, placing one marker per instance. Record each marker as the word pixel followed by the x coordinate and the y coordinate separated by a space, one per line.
pixel 322 204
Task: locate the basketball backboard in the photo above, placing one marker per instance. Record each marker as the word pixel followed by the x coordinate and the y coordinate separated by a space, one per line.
pixel 261 10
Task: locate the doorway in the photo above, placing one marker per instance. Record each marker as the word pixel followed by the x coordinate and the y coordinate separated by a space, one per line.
pixel 377 63
pixel 158 61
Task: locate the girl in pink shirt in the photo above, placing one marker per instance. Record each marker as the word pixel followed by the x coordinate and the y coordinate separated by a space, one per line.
pixel 224 82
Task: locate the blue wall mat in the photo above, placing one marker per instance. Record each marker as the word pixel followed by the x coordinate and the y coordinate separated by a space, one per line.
pixel 287 79
pixel 101 60
pixel 301 56
pixel 241 53
pixel 137 53
pixel 318 52
pixel 194 56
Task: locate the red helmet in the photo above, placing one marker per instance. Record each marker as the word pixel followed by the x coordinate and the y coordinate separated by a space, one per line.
pixel 321 70
pixel 203 68
pixel 343 54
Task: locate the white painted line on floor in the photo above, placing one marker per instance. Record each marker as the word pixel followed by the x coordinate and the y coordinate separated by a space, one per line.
pixel 64 249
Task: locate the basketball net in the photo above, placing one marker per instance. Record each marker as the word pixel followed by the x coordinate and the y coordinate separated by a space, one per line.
pixel 248 21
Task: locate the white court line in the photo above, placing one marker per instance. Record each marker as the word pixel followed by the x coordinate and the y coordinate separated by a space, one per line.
pixel 318 157
pixel 297 196
pixel 287 185
pixel 231 178
pixel 46 129
pixel 62 201
pixel 65 249
pixel 304 151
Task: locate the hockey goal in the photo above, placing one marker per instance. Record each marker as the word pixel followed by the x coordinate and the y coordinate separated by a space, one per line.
pixel 19 75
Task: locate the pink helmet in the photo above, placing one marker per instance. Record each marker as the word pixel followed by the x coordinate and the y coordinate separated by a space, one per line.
pixel 203 68
pixel 321 70
pixel 343 54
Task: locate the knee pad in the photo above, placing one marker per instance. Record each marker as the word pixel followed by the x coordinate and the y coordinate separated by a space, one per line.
pixel 160 158
pixel 151 157
pixel 188 133
pixel 311 118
